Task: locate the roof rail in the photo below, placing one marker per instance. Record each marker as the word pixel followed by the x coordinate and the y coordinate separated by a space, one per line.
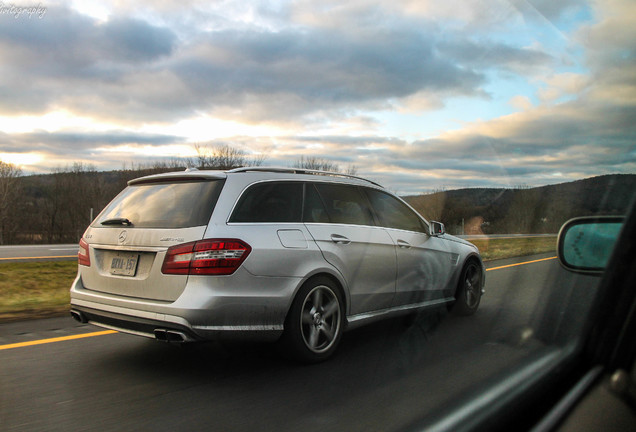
pixel 300 171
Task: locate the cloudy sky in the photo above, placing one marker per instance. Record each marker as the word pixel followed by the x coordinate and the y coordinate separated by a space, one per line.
pixel 416 94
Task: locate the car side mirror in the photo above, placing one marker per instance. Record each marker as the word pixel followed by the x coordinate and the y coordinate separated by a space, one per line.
pixel 585 244
pixel 437 228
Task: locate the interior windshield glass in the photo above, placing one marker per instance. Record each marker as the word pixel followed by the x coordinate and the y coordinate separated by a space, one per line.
pixel 488 124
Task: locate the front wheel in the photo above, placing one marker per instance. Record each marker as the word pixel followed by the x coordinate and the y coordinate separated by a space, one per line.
pixel 315 321
pixel 469 289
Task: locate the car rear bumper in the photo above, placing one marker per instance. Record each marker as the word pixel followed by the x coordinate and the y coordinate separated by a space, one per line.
pixel 163 327
pixel 202 312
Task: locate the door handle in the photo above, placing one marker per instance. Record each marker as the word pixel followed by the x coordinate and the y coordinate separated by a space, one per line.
pixel 403 244
pixel 336 238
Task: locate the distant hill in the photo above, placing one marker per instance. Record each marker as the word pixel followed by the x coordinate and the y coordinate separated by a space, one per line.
pixel 531 210
pixel 56 208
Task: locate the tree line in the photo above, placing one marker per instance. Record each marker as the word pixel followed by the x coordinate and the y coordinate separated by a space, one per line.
pixel 57 207
pixel 525 210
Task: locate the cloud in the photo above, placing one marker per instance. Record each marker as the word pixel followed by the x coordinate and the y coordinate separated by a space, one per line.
pixel 68 58
pixel 287 74
pixel 495 55
pixel 327 75
pixel 79 143
pixel 130 71
pixel 611 53
pixel 563 85
pixel 548 9
pixel 520 102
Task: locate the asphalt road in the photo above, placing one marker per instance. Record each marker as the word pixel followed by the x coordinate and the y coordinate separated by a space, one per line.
pixel 384 377
pixel 22 253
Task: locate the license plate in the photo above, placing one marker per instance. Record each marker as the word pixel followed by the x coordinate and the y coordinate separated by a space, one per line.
pixel 124 264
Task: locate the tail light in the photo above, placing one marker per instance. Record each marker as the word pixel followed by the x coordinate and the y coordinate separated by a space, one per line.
pixel 83 257
pixel 206 257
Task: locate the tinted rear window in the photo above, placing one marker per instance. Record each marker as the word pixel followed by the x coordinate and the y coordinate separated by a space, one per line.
pixel 165 205
pixel 345 204
pixel 270 202
pixel 314 210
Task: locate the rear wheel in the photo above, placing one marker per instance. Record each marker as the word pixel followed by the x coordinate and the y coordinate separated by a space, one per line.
pixel 315 321
pixel 469 289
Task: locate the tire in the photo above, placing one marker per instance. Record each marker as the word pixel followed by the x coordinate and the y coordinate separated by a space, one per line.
pixel 469 288
pixel 314 324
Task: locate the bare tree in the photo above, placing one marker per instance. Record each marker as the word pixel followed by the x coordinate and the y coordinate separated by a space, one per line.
pixel 224 157
pixel 321 164
pixel 69 195
pixel 351 170
pixel 158 166
pixel 524 212
pixel 9 198
pixel 432 205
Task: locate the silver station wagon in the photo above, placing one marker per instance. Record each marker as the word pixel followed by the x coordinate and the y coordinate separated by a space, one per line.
pixel 266 253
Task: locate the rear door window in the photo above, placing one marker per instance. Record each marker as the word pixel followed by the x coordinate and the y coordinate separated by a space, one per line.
pixel 345 204
pixel 165 204
pixel 314 210
pixel 270 202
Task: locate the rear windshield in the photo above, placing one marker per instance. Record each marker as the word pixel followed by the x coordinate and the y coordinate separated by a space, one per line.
pixel 164 205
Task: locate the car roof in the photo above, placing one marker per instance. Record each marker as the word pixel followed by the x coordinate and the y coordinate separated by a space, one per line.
pixel 265 173
pixel 283 170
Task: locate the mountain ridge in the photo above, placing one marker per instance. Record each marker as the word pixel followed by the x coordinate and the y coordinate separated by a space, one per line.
pixel 541 209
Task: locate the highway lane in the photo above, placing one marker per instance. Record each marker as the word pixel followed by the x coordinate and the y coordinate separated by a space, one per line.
pixel 23 253
pixel 383 377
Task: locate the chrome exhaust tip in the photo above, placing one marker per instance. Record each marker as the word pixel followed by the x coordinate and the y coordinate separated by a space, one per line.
pixel 174 336
pixel 160 335
pixel 79 317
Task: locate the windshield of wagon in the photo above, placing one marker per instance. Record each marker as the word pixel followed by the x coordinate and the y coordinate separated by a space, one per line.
pixel 163 205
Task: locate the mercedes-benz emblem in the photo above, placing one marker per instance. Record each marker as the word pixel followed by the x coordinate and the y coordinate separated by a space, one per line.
pixel 122 237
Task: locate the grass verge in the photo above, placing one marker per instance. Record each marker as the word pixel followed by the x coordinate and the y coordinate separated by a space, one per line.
pixel 499 248
pixel 41 289
pixel 35 289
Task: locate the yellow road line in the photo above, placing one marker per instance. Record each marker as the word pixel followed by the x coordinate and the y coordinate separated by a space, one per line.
pixel 57 339
pixel 521 263
pixel 42 257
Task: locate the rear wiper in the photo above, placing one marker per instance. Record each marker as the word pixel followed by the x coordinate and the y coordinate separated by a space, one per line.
pixel 117 221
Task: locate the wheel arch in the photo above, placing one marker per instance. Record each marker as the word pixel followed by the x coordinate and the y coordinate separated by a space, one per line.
pixel 337 280
pixel 466 297
pixel 475 257
pixel 453 284
pixel 297 334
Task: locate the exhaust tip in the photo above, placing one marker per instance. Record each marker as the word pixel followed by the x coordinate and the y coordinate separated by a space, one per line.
pixel 160 335
pixel 79 317
pixel 165 335
pixel 174 336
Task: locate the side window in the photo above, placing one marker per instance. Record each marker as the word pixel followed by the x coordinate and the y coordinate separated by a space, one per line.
pixel 314 210
pixel 270 202
pixel 345 204
pixel 393 213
